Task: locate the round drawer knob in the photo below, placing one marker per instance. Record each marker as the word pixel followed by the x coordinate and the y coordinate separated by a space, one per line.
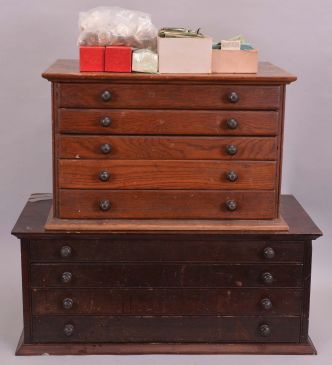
pixel 266 303
pixel 105 122
pixel 68 329
pixel 65 252
pixel 233 97
pixel 231 176
pixel 231 149
pixel 105 148
pixel 231 205
pixel 269 253
pixel 232 123
pixel 106 95
pixel 264 330
pixel 104 175
pixel 66 277
pixel 267 278
pixel 67 303
pixel 105 205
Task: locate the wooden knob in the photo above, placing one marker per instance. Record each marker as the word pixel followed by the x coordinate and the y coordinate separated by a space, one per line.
pixel 232 123
pixel 105 148
pixel 233 97
pixel 65 251
pixel 105 122
pixel 106 95
pixel 68 329
pixel 267 278
pixel 266 303
pixel 231 204
pixel 67 303
pixel 66 277
pixel 264 330
pixel 269 253
pixel 105 205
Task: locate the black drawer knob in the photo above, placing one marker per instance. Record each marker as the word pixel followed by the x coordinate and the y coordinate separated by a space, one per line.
pixel 233 97
pixel 65 252
pixel 231 176
pixel 232 123
pixel 231 204
pixel 267 278
pixel 105 122
pixel 105 148
pixel 104 175
pixel 105 205
pixel 67 303
pixel 66 277
pixel 106 95
pixel 68 329
pixel 231 149
pixel 264 330
pixel 269 253
pixel 266 303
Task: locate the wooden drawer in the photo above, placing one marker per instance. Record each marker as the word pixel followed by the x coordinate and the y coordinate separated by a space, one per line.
pixel 164 329
pixel 168 96
pixel 169 248
pixel 168 122
pixel 149 275
pixel 166 174
pixel 167 204
pixel 167 301
pixel 167 148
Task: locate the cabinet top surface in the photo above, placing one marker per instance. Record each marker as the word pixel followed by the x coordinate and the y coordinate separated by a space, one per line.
pixel 68 70
pixel 34 215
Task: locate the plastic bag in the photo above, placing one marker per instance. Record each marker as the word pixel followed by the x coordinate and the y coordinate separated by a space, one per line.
pixel 107 26
pixel 144 60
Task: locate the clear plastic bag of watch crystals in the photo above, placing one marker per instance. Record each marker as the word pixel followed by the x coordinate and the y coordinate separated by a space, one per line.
pixel 110 26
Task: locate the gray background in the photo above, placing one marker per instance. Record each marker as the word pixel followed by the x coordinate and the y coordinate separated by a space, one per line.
pixel 294 34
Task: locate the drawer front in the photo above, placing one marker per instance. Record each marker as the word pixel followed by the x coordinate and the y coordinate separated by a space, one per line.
pixel 164 275
pixel 167 301
pixel 166 174
pixel 170 248
pixel 167 204
pixel 164 329
pixel 168 148
pixel 168 96
pixel 168 122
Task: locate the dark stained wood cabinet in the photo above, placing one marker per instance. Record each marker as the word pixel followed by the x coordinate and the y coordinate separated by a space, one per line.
pixel 146 292
pixel 154 146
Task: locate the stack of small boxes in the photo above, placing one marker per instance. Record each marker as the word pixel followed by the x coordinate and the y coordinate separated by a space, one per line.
pixel 106 59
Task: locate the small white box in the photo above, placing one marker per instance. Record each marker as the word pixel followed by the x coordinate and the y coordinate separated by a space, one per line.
pixel 185 55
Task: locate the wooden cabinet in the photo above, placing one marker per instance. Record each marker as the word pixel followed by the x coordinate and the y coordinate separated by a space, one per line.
pixel 165 292
pixel 162 146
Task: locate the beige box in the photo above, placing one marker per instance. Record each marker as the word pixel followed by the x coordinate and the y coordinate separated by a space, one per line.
pixel 185 55
pixel 234 61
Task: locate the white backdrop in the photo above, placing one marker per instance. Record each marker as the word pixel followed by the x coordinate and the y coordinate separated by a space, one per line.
pixel 294 34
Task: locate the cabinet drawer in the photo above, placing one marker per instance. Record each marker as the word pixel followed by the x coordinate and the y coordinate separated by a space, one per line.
pixel 167 148
pixel 165 248
pixel 168 122
pixel 164 329
pixel 166 204
pixel 164 275
pixel 166 174
pixel 167 301
pixel 168 96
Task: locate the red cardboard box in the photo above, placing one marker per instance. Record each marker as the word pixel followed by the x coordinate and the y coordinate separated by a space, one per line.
pixel 118 59
pixel 92 58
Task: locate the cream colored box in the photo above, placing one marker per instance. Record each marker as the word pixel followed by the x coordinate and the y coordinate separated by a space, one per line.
pixel 234 61
pixel 185 55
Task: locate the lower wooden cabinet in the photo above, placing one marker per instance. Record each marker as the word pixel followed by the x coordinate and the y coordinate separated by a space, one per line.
pixel 166 292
